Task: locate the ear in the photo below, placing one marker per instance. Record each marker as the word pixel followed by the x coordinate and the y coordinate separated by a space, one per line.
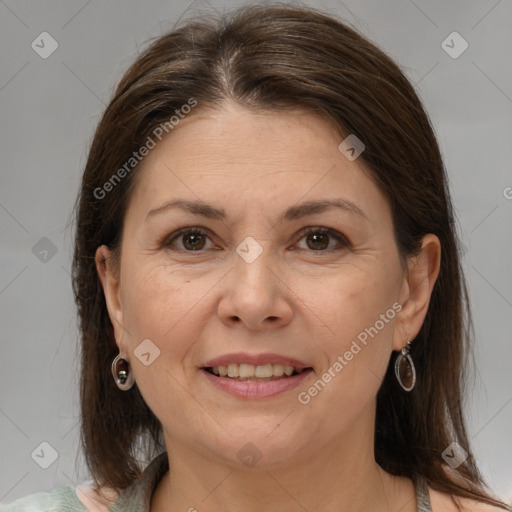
pixel 109 275
pixel 417 286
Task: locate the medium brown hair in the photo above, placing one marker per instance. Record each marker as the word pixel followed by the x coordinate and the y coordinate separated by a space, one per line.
pixel 274 58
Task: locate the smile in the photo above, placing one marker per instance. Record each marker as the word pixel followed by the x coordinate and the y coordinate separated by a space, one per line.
pixel 255 381
pixel 245 371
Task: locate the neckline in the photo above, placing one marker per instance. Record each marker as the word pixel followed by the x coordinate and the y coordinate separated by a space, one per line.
pixel 422 494
pixel 137 497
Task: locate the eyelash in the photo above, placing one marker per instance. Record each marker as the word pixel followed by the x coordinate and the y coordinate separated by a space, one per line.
pixel 344 242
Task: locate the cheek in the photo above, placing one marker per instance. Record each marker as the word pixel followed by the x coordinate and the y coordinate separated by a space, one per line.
pixel 360 310
pixel 158 306
pixel 359 303
pixel 355 357
pixel 155 303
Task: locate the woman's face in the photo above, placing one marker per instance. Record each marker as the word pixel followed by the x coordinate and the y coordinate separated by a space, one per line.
pixel 249 285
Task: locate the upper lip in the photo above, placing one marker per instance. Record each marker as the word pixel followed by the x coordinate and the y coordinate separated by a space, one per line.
pixel 255 359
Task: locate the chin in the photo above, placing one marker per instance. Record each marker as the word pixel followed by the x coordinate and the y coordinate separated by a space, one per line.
pixel 260 445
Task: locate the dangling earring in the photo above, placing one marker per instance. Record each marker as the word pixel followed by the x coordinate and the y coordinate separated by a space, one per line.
pixel 404 368
pixel 121 373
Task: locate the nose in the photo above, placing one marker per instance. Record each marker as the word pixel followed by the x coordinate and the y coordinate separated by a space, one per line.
pixel 255 295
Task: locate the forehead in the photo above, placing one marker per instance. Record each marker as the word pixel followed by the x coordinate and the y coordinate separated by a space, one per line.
pixel 239 159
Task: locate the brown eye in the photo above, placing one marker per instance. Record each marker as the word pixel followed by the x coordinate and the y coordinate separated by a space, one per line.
pixel 193 241
pixel 187 240
pixel 319 239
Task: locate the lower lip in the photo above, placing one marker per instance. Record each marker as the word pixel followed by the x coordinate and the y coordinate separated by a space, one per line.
pixel 256 389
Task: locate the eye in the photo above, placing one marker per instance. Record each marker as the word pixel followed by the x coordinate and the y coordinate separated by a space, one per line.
pixel 317 239
pixel 193 239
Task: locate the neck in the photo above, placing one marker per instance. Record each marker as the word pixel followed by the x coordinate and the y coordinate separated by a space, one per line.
pixel 335 477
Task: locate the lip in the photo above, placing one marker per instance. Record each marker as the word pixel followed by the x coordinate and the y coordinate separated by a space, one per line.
pixel 256 359
pixel 255 389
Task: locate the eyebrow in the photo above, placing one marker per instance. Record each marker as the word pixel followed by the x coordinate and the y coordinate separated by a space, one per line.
pixel 293 213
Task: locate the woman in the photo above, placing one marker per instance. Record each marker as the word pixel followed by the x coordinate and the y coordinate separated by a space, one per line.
pixel 268 282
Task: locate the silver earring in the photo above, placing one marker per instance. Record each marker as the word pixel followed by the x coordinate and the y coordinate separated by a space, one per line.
pixel 121 373
pixel 404 369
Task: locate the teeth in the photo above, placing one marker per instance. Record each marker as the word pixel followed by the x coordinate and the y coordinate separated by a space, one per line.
pixel 250 371
pixel 233 370
pixel 263 371
pixel 278 370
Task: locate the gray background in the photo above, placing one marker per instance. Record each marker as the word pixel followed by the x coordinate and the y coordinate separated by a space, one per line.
pixel 49 108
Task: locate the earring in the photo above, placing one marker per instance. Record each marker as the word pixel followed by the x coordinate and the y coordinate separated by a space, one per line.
pixel 404 369
pixel 121 373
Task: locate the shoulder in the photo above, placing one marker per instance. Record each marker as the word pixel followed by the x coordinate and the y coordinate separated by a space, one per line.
pixel 84 497
pixel 447 503
pixel 65 499
pixel 61 499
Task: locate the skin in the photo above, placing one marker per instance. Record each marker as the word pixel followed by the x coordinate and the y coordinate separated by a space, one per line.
pixel 293 299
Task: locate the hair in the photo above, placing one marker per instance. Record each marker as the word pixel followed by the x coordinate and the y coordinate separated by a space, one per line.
pixel 276 59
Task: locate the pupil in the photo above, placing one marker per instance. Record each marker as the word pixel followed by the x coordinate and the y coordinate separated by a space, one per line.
pixel 196 241
pixel 316 237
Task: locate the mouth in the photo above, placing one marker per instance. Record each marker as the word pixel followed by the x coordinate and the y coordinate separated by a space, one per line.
pixel 255 373
pixel 255 376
